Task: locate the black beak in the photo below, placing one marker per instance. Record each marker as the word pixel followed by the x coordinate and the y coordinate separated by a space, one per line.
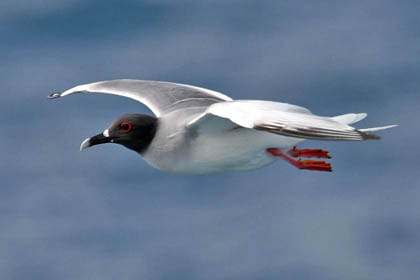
pixel 95 140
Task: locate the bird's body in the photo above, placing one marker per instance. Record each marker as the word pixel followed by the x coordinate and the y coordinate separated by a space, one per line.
pixel 179 149
pixel 201 131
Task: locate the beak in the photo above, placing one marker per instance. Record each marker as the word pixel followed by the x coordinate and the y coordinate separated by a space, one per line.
pixel 96 140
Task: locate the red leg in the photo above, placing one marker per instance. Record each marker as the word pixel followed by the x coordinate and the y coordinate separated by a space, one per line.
pixel 318 153
pixel 305 164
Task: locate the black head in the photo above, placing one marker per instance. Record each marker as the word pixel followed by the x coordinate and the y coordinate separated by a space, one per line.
pixel 134 131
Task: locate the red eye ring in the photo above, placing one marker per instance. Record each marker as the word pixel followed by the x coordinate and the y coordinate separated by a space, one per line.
pixel 126 126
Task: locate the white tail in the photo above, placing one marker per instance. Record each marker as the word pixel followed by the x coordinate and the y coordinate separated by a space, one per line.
pixel 350 118
pixel 353 118
pixel 377 128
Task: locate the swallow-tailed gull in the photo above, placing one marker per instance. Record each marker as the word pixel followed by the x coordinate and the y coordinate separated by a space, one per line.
pixel 197 130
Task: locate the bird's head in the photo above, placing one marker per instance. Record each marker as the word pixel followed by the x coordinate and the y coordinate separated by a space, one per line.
pixel 134 131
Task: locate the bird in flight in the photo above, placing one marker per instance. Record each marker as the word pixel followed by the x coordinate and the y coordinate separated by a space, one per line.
pixel 197 131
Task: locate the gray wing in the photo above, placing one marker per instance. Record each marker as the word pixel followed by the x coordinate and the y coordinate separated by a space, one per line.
pixel 279 118
pixel 160 97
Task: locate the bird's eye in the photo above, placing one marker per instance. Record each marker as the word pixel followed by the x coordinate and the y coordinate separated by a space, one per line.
pixel 126 126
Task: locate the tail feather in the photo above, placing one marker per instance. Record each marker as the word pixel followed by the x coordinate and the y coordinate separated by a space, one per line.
pixel 350 118
pixel 367 136
pixel 364 132
pixel 377 128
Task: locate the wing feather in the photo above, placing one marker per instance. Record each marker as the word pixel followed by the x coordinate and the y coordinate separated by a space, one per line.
pixel 160 97
pixel 283 119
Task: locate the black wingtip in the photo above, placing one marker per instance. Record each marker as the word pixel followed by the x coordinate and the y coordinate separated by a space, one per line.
pixel 367 136
pixel 54 95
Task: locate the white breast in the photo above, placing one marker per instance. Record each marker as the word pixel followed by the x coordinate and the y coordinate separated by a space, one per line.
pixel 236 149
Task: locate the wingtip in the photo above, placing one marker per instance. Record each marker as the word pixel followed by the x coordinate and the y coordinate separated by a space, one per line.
pixel 368 136
pixel 54 95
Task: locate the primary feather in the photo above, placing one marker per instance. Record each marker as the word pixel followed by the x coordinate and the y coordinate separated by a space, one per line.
pixel 160 97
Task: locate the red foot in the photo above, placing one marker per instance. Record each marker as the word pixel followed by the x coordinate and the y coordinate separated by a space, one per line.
pixel 317 165
pixel 305 164
pixel 318 153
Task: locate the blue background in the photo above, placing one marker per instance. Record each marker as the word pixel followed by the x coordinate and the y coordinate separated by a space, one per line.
pixel 105 214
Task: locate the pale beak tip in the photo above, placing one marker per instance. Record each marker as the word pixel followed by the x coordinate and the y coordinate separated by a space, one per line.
pixel 85 144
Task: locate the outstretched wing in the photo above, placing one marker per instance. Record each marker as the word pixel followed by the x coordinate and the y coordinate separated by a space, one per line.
pixel 160 97
pixel 278 118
